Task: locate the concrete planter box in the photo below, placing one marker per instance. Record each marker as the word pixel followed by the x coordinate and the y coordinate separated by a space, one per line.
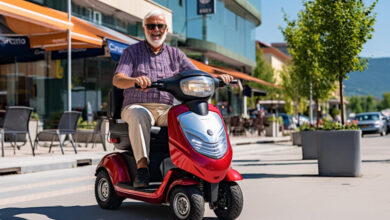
pixel 272 130
pixel 297 138
pixel 339 153
pixel 309 145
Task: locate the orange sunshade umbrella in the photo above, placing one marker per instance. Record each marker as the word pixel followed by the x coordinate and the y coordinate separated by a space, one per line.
pixel 46 28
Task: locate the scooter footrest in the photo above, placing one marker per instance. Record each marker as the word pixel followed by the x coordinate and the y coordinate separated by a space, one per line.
pixel 150 189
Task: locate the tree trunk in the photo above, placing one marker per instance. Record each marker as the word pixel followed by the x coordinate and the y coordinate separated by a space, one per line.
pixel 341 99
pixel 317 113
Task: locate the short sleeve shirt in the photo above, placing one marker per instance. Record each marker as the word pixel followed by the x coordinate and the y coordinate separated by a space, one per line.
pixel 140 60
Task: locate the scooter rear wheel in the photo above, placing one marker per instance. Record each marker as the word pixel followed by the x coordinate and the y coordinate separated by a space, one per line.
pixel 230 201
pixel 187 203
pixel 105 194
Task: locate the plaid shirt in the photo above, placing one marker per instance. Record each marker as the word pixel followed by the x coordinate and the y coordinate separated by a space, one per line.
pixel 140 60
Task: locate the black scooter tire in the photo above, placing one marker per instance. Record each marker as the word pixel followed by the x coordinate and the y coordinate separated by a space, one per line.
pixel 230 201
pixel 109 199
pixel 188 195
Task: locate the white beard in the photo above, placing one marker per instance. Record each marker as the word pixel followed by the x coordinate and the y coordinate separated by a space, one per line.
pixel 156 43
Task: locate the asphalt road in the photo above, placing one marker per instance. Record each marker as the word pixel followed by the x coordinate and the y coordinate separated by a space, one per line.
pixel 277 185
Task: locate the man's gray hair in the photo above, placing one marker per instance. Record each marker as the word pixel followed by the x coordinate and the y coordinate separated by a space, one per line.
pixel 154 13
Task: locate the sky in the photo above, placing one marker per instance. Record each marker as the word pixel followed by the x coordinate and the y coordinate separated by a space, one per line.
pixel 272 18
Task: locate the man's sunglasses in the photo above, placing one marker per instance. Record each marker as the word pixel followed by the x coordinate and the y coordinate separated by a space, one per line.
pixel 160 27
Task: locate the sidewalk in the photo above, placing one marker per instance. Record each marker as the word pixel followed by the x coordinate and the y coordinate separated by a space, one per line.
pixel 24 162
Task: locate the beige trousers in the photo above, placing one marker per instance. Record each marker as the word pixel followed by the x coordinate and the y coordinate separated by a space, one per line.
pixel 141 117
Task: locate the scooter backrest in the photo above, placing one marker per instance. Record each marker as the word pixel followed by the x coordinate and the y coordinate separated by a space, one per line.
pixel 115 100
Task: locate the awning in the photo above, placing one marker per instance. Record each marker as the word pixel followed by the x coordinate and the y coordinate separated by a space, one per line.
pixel 47 28
pixel 214 71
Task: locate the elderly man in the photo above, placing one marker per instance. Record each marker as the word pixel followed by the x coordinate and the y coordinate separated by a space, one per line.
pixel 141 64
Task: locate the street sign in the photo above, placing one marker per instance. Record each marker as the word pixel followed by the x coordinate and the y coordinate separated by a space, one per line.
pixel 206 7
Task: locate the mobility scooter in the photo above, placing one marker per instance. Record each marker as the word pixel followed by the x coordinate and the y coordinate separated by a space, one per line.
pixel 189 160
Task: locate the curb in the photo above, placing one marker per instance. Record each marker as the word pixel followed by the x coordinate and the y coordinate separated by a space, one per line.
pixel 63 163
pixel 261 142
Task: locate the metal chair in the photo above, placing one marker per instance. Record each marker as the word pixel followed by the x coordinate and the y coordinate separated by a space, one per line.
pixel 15 123
pixel 94 134
pixel 67 126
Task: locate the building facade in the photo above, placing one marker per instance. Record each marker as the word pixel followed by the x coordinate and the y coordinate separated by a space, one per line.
pixel 225 38
pixel 42 84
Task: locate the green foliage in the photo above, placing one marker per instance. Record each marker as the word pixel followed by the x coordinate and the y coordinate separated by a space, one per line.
pixel 264 72
pixel 290 91
pixel 386 101
pixel 308 76
pixel 325 42
pixel 359 104
pixel 335 112
pixel 275 119
pixel 329 125
pixel 85 125
pixel 355 105
pixel 34 116
pixel 307 127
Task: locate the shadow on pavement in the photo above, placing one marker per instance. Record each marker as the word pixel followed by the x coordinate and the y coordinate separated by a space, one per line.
pixel 128 210
pixel 267 175
pixel 275 164
pixel 376 161
pixel 245 161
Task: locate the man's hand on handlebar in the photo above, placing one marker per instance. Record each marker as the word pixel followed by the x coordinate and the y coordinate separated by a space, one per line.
pixel 143 82
pixel 226 78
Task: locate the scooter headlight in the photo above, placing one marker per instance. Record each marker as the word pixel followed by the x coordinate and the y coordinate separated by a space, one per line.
pixel 198 86
pixel 214 150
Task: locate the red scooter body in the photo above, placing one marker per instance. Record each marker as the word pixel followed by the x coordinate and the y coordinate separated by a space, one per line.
pixel 182 155
pixel 191 168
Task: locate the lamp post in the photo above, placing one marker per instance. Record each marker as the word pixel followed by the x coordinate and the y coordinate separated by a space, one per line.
pixel 69 58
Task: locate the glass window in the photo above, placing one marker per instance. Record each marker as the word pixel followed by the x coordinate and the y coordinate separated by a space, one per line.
pixel 224 28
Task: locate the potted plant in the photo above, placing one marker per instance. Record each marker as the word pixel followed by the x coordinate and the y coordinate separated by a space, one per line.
pixel 272 126
pixel 84 131
pixel 34 124
pixel 339 149
pixel 309 141
pixel 297 138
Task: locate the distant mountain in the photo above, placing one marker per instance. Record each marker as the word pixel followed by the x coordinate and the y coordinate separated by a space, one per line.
pixel 375 80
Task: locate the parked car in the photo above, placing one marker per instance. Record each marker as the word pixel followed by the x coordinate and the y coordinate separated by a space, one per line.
pixel 288 122
pixel 372 122
pixel 388 124
pixel 302 119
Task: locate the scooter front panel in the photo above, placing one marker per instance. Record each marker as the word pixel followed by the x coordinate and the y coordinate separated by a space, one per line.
pixel 184 156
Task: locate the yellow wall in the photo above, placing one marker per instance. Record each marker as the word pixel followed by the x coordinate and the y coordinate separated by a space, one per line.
pixel 277 64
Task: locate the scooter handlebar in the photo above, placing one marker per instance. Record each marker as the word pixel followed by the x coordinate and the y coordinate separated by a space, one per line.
pixel 222 84
pixel 154 85
pixel 160 85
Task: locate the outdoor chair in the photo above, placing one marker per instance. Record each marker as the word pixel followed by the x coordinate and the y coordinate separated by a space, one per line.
pixel 67 126
pixel 15 124
pixel 236 125
pixel 94 134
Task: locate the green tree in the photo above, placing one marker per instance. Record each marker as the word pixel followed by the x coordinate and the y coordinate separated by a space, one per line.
pixel 385 103
pixel 264 72
pixel 290 93
pixel 370 104
pixel 344 27
pixel 303 39
pixel 355 105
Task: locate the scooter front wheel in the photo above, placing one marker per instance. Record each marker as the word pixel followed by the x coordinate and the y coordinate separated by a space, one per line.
pixel 230 201
pixel 187 203
pixel 105 194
